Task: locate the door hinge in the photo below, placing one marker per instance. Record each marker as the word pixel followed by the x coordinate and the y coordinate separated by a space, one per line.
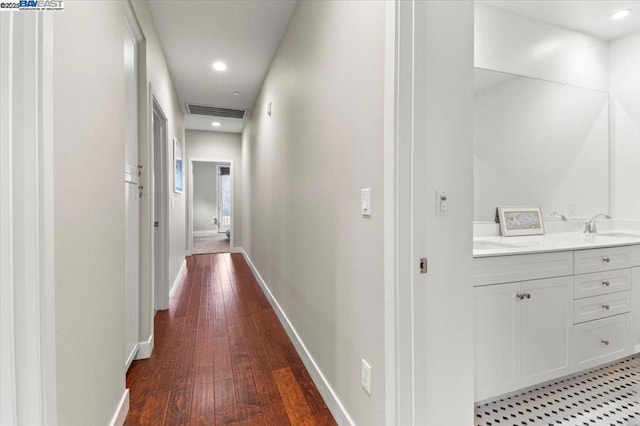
pixel 423 265
pixel 156 224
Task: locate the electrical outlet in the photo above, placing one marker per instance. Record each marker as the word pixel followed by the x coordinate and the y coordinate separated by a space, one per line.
pixel 366 376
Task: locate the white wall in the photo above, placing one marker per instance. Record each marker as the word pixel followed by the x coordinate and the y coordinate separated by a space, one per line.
pixel 205 199
pixel 624 61
pixel 155 71
pixel 304 168
pixel 508 42
pixel 227 147
pixel 89 210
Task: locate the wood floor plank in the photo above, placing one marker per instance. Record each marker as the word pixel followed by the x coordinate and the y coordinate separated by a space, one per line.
pixel 226 407
pixel 268 392
pixel 221 357
pixel 152 410
pixel 294 401
pixel 179 406
pixel 203 401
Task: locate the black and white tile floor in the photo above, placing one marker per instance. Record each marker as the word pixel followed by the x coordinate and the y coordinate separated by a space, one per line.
pixel 606 396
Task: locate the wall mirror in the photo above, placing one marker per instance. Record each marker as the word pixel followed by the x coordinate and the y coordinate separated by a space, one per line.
pixel 539 143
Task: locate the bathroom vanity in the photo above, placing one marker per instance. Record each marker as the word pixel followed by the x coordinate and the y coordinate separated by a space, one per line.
pixel 553 305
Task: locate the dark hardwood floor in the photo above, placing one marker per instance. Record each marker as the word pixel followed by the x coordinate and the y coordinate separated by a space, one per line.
pixel 222 357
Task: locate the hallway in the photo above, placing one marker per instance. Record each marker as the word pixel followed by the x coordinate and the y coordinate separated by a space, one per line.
pixel 222 357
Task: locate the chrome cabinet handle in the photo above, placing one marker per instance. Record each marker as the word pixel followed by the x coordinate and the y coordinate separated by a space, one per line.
pixel 605 307
pixel 523 296
pixel 520 296
pixel 527 295
pixel 606 259
pixel 605 342
pixel 605 283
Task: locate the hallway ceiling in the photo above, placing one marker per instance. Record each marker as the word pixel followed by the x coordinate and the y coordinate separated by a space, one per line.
pixel 588 16
pixel 243 34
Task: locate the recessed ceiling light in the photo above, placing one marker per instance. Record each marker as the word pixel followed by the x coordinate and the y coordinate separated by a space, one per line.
pixel 236 93
pixel 620 14
pixel 216 124
pixel 219 66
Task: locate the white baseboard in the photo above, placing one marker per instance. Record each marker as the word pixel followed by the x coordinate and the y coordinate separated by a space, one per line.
pixel 132 356
pixel 331 399
pixel 145 348
pixel 636 348
pixel 178 279
pixel 206 233
pixel 121 411
pixel 238 250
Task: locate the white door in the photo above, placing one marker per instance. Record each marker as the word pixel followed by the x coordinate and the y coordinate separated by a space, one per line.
pixel 132 203
pixel 160 209
pixel 547 329
pixel 497 339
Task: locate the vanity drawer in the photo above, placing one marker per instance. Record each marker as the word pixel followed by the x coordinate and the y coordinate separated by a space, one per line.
pixel 606 259
pixel 596 307
pixel 598 283
pixel 601 341
pixel 504 269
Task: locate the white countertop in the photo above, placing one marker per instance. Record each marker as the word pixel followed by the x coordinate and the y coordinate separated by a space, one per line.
pixel 558 241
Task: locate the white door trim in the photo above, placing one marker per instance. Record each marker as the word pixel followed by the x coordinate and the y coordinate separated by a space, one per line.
pixel 133 258
pixel 390 210
pixel 190 199
pixel 161 298
pixel 219 191
pixel 27 319
pixel 433 112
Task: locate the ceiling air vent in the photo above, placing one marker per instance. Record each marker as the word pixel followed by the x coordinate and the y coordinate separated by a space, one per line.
pixel 215 111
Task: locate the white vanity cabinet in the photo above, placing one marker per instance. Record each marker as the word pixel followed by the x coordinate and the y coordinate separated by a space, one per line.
pixel 541 316
pixel 635 311
pixel 522 334
pixel 546 329
pixel 603 301
pixel 523 329
pixel 497 339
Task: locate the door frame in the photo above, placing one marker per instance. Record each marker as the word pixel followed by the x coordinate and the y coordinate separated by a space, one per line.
pixel 219 166
pixel 160 283
pixel 417 372
pixel 190 199
pixel 132 29
pixel 27 280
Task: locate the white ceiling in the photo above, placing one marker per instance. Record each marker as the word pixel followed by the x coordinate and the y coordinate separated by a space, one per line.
pixel 243 33
pixel 587 16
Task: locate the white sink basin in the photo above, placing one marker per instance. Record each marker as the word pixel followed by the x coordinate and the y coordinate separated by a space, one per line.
pixel 618 234
pixel 493 245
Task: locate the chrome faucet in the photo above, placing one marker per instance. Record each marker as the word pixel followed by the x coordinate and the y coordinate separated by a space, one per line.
pixel 590 227
pixel 563 217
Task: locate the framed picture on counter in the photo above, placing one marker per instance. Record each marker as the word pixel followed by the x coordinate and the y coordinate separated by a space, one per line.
pixel 518 221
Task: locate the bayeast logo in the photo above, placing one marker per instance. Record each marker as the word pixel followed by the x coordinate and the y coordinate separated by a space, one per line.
pixel 41 4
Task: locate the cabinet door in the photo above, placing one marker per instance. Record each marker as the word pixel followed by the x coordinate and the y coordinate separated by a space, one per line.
pixel 547 329
pixel 635 310
pixel 497 339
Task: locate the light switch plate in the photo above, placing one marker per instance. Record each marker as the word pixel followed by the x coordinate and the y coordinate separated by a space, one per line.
pixel 365 202
pixel 442 203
